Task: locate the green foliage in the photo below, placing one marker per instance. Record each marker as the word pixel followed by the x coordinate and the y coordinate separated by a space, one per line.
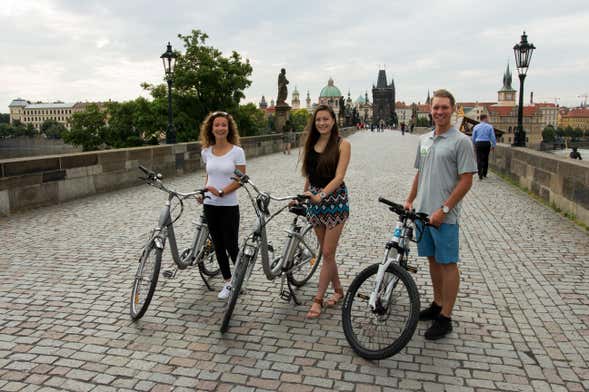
pixel 587 133
pixel 88 128
pixel 4 118
pixel 250 120
pixel 568 131
pixel 422 122
pixel 53 129
pixel 548 134
pixel 204 81
pixel 577 133
pixel 560 131
pixel 299 119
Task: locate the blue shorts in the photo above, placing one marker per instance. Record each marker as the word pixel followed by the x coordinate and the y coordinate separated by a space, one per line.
pixel 441 243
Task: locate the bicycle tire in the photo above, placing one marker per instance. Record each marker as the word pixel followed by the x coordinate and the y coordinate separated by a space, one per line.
pixel 207 264
pixel 236 283
pixel 151 253
pixel 411 308
pixel 299 281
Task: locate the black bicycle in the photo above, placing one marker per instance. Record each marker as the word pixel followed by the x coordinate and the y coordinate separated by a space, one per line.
pixel 381 307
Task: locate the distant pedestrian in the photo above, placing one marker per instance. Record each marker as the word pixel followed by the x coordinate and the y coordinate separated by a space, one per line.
pixel 288 137
pixel 445 164
pixel 483 138
pixel 575 154
pixel 403 128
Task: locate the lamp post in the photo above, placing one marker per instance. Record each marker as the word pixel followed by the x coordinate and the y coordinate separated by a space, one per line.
pixel 523 54
pixel 169 60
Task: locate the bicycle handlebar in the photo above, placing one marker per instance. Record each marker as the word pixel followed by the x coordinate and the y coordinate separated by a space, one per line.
pixel 244 179
pixel 155 179
pixel 400 210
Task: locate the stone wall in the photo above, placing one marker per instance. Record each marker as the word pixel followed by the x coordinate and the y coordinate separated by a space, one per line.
pixel 560 181
pixel 24 146
pixel 37 181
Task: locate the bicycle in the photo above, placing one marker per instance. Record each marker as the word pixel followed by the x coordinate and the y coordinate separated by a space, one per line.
pixel 300 256
pixel 381 307
pixel 200 253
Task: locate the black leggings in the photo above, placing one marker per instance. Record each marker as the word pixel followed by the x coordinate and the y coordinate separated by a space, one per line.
pixel 223 224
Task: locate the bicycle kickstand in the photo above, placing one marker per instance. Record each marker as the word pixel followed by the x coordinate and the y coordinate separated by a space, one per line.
pixel 204 279
pixel 290 294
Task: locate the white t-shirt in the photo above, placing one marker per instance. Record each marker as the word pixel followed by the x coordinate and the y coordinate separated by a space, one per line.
pixel 219 172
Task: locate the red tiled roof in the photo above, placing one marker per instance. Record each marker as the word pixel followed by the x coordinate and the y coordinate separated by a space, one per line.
pixel 577 113
pixel 473 104
pixel 511 110
pixel 545 104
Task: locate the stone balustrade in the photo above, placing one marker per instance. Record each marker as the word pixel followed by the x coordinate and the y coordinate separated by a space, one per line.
pixel 560 181
pixel 37 181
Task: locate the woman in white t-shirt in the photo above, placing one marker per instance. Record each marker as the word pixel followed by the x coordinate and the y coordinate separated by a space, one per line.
pixel 221 154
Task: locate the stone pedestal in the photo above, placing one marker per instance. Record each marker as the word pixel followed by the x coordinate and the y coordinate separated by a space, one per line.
pixel 282 114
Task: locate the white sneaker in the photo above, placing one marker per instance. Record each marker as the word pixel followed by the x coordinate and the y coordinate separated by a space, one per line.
pixel 224 294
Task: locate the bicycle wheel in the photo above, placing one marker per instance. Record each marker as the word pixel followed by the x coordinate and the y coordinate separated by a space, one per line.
pixel 305 263
pixel 383 332
pixel 145 280
pixel 236 283
pixel 207 263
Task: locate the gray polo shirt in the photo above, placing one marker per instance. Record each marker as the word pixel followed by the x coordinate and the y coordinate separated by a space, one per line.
pixel 441 160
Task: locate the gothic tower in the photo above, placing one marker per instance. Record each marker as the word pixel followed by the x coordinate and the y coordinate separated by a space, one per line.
pixel 308 100
pixel 383 100
pixel 296 102
pixel 506 96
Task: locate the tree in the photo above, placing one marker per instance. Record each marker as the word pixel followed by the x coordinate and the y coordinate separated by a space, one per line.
pixel 250 120
pixel 560 131
pixel 568 131
pixel 299 119
pixel 548 134
pixel 587 133
pixel 88 128
pixel 204 81
pixel 577 133
pixel 52 129
pixel 4 118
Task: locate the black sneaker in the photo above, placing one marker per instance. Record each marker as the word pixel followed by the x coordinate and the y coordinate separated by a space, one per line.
pixel 430 313
pixel 441 326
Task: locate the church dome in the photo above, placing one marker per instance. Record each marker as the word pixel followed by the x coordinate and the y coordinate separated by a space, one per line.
pixel 361 99
pixel 330 90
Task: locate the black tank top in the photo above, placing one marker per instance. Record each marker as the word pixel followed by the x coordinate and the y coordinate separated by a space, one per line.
pixel 316 179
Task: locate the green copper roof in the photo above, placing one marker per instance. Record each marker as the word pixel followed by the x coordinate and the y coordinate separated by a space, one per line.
pixel 330 90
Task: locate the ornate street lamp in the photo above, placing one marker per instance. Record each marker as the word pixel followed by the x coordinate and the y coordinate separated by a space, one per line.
pixel 169 60
pixel 523 54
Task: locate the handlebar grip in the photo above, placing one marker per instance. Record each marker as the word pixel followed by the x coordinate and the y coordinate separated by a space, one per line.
pixel 303 197
pixel 238 173
pixel 389 203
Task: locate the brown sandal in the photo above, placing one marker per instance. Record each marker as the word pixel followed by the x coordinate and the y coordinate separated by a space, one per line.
pixel 335 298
pixel 313 314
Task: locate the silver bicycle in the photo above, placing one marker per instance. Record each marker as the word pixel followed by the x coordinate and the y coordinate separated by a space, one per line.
pixel 200 253
pixel 381 307
pixel 300 256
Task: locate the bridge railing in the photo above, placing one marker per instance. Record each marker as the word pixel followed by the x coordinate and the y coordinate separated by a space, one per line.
pixel 39 181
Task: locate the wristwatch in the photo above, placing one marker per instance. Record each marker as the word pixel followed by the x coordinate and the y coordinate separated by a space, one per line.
pixel 221 193
pixel 322 195
pixel 445 209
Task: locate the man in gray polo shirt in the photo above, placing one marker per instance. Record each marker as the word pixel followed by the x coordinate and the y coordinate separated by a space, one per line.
pixel 445 164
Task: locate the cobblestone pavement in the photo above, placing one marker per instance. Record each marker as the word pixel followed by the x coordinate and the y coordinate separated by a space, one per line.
pixel 521 322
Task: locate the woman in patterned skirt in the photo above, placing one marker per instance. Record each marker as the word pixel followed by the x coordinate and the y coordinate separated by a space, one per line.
pixel 325 160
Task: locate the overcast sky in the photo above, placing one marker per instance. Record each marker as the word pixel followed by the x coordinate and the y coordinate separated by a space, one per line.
pixel 77 50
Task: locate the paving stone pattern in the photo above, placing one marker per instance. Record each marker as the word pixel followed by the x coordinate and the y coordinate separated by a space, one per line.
pixel 521 322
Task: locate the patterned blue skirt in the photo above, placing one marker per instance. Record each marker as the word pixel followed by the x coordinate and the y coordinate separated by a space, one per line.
pixel 332 210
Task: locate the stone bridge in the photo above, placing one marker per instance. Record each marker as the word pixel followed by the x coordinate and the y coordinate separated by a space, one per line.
pixel 521 319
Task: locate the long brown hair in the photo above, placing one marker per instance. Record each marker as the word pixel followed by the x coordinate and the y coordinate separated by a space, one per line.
pixel 206 130
pixel 329 158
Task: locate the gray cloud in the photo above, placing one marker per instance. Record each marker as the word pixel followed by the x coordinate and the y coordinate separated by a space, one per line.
pixel 82 50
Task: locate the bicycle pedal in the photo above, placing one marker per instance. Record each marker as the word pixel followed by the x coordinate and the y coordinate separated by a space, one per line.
pixel 285 295
pixel 170 274
pixel 412 269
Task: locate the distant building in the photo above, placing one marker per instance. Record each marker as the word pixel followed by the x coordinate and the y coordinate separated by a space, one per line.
pixel 37 113
pixel 308 102
pixel 263 104
pixel 383 100
pixel 331 95
pixel 364 108
pixel 296 101
pixel 576 118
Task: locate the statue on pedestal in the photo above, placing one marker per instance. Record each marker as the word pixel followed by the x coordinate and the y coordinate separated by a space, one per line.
pixel 282 89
